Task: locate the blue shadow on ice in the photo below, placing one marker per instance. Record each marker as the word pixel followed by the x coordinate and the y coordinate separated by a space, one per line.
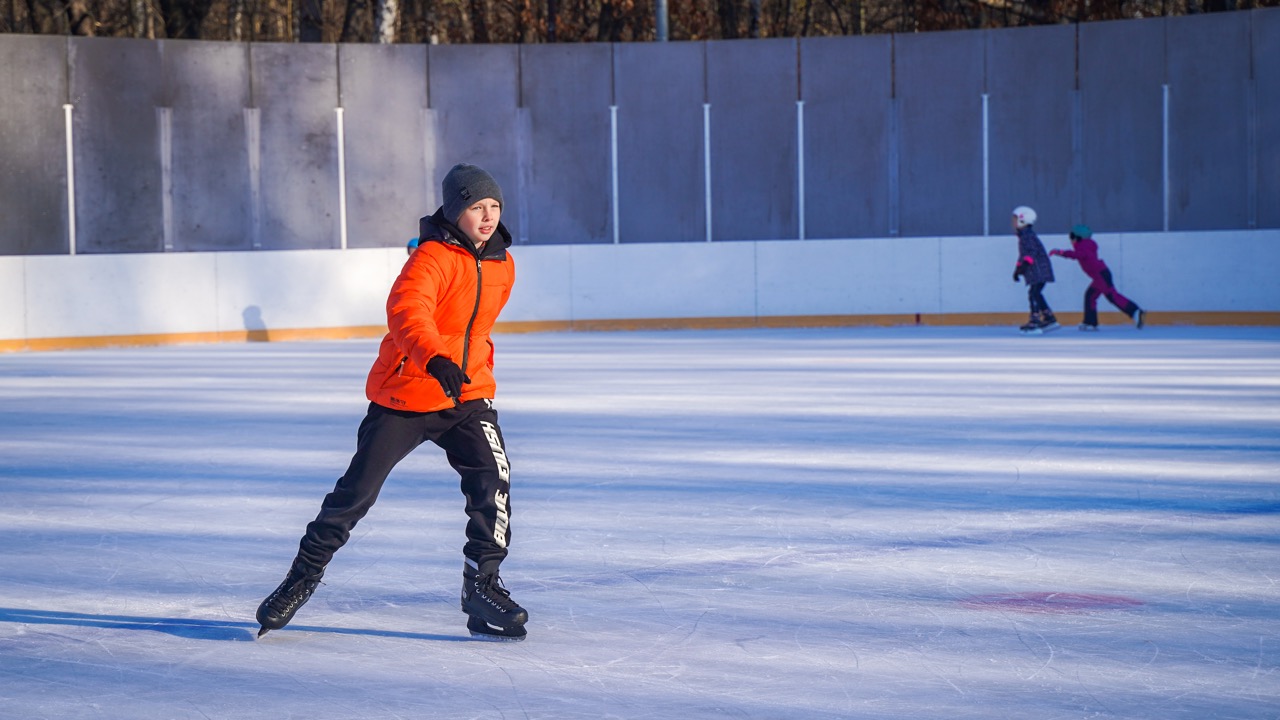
pixel 192 628
pixel 181 627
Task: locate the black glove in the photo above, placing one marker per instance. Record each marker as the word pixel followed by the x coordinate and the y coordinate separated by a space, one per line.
pixel 1017 272
pixel 448 374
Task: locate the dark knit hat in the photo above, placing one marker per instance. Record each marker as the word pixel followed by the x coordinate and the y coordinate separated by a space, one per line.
pixel 464 185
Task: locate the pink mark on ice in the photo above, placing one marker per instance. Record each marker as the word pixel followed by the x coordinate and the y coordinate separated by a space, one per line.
pixel 1049 602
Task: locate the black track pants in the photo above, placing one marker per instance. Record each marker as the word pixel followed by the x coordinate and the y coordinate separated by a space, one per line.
pixel 472 441
pixel 1035 297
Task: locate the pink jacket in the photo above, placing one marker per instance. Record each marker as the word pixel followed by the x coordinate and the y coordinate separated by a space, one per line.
pixel 1085 252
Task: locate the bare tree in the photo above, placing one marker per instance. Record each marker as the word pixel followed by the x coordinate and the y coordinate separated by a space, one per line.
pixel 531 21
pixel 388 20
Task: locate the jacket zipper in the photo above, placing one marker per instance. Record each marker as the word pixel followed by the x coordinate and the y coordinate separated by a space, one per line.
pixel 466 347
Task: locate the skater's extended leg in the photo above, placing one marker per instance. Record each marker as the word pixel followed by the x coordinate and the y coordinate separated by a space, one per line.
pixel 1122 303
pixel 384 438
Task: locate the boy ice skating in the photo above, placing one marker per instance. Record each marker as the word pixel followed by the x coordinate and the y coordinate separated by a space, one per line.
pixel 1034 268
pixel 1085 251
pixel 433 380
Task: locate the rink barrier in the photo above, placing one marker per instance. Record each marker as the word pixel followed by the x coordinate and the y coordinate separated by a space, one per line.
pixel 133 299
pixel 1251 319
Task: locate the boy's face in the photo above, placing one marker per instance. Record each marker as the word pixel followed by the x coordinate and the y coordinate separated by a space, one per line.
pixel 480 220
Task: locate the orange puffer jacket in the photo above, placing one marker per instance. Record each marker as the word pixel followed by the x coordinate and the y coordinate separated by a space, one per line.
pixel 435 309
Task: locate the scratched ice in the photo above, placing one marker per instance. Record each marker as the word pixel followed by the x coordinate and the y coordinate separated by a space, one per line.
pixel 829 523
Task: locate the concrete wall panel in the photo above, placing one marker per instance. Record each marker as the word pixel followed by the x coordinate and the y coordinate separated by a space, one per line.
pixel 251 135
pixel 116 87
pixel 384 98
pixel 846 85
pixel 939 89
pixel 474 95
pixel 567 91
pixel 33 184
pixel 1266 86
pixel 1208 121
pixel 295 88
pixel 207 89
pixel 660 93
pixel 1030 85
pixel 1121 100
pixel 753 88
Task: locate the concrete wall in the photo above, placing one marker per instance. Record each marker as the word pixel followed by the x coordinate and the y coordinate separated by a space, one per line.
pixel 143 298
pixel 1130 126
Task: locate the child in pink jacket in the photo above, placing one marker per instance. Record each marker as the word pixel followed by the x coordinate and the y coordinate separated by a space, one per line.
pixel 1085 251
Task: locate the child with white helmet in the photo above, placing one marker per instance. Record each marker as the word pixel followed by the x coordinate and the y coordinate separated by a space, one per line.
pixel 1033 268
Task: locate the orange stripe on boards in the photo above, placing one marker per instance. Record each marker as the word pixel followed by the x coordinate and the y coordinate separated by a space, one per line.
pixel 1155 317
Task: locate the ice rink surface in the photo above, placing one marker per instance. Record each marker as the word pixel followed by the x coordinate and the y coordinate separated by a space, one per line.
pixel 811 524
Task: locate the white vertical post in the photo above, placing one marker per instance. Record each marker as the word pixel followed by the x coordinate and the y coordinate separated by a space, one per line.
pixel 800 165
pixel 253 142
pixel 71 180
pixel 1251 143
pixel 986 165
pixel 524 152
pixel 429 160
pixel 895 187
pixel 706 163
pixel 1164 155
pixel 342 181
pixel 164 116
pixel 613 167
pixel 1077 157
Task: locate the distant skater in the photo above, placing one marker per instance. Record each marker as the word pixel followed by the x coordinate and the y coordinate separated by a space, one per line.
pixel 1085 251
pixel 433 381
pixel 1034 268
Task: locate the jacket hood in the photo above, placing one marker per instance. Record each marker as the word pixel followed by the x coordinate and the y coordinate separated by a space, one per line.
pixel 435 228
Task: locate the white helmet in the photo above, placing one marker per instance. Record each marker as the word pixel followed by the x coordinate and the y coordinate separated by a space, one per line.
pixel 1024 215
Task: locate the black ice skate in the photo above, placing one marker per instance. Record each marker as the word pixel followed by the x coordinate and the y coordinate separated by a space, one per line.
pixel 1048 322
pixel 492 613
pixel 482 630
pixel 278 609
pixel 1032 327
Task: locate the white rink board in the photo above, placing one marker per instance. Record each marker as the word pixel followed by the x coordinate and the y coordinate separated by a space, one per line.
pixel 136 294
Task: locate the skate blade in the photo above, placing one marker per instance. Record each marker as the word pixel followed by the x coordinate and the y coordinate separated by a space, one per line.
pixel 481 630
pixel 486 637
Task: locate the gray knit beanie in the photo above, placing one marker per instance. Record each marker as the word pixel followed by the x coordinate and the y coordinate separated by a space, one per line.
pixel 464 185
